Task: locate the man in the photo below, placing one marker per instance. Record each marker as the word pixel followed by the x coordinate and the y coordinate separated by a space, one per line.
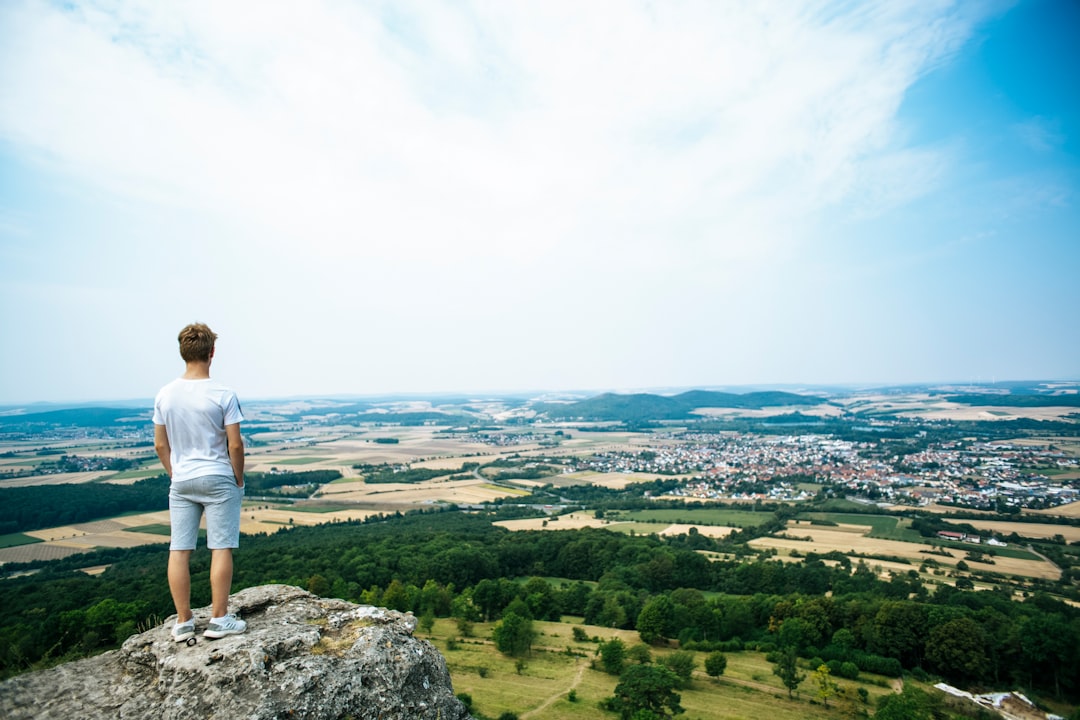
pixel 197 439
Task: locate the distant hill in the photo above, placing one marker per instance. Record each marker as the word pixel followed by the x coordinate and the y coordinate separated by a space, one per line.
pixel 641 407
pixel 78 417
pixel 751 400
pixel 1015 400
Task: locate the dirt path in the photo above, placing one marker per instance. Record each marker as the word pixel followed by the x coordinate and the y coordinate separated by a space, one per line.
pixel 582 665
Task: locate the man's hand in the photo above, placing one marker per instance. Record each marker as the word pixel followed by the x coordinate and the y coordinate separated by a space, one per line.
pixel 236 452
pixel 162 448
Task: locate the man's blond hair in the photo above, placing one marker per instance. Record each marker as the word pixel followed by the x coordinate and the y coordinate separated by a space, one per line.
pixel 196 342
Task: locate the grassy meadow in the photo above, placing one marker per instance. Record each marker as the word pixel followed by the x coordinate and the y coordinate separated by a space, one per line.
pixel 558 665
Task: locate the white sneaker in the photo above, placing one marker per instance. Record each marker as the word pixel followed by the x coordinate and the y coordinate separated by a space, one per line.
pixel 183 631
pixel 228 625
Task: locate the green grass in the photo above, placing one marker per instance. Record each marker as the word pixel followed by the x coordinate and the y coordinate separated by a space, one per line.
pixel 888 527
pixel 723 517
pixel 159 529
pixel 136 474
pixel 988 550
pixel 840 505
pixel 298 460
pixel 17 539
pixel 748 689
pixel 316 508
pixel 885 527
pixel 153 529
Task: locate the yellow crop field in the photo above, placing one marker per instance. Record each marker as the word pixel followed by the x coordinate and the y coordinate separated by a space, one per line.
pixel 1032 530
pixel 1072 510
pixel 577 520
pixel 842 539
pixel 614 481
pixel 470 491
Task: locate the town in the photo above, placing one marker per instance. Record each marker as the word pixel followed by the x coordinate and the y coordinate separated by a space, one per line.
pixel 743 466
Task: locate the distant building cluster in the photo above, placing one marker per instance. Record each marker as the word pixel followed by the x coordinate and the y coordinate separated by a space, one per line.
pixel 987 475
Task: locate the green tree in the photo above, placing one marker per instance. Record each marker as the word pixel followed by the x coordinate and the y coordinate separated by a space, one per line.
pixel 900 630
pixel 514 635
pixel 957 649
pixel 646 689
pixel 640 654
pixel 612 656
pixel 488 597
pixel 715 664
pixel 787 669
pixel 826 686
pixel 318 585
pixel 910 704
pixel 396 596
pixel 680 662
pixel 1046 643
pixel 655 620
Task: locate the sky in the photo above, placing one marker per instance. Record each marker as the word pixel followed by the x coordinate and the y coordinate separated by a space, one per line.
pixel 480 197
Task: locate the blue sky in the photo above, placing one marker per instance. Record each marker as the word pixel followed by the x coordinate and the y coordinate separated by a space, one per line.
pixel 418 197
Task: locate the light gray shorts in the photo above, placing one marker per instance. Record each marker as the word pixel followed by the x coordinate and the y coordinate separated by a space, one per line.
pixel 219 497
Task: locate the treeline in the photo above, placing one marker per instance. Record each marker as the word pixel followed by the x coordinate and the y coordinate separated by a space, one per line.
pixel 45 506
pixel 450 563
pixel 273 482
pixel 399 474
pixel 917 431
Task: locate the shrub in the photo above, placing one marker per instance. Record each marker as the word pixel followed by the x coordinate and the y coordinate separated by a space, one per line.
pixel 680 662
pixel 716 663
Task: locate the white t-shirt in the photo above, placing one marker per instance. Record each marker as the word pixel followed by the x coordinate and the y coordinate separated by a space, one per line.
pixel 195 413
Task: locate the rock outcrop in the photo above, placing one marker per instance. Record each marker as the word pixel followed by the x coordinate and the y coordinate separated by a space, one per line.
pixel 302 657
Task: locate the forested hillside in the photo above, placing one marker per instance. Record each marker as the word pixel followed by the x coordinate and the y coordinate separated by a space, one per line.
pixel 452 563
pixel 640 407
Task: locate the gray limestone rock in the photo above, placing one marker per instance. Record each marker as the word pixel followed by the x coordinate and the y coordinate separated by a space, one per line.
pixel 302 657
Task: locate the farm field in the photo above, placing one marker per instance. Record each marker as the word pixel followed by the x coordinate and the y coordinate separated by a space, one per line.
pixel 583 519
pixel 886 527
pixel 60 542
pixel 1072 510
pixel 709 516
pixel 1031 530
pixel 855 539
pixel 57 479
pixel 615 481
pixel 747 689
pixel 470 491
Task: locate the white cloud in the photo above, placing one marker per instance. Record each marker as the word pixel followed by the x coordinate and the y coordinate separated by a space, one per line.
pixel 467 152
pixel 467 132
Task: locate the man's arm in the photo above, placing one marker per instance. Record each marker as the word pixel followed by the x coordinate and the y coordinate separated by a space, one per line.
pixel 236 451
pixel 162 448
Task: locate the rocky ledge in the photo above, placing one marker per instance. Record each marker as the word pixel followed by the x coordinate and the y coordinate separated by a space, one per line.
pixel 302 657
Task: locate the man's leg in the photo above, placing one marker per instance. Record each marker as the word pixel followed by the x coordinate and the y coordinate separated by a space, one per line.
pixel 180 582
pixel 221 571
